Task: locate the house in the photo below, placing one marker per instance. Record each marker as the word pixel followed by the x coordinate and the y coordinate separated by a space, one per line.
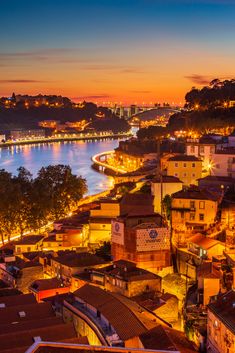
pixel 28 243
pixel 142 238
pixel 44 288
pixel 23 322
pixel 121 277
pixel 221 324
pixel 192 210
pixel 209 279
pixel 187 168
pixel 223 162
pixel 164 305
pixel 106 318
pixel 162 186
pixel 67 264
pixel 204 247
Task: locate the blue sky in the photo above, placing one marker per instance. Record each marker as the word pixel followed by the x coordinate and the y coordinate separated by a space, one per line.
pixel 127 50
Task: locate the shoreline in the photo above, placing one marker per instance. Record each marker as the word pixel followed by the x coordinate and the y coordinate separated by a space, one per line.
pixel 68 138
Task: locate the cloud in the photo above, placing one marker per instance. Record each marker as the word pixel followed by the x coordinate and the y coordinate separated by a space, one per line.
pixel 95 96
pixel 141 92
pixel 21 81
pixel 205 80
pixel 199 79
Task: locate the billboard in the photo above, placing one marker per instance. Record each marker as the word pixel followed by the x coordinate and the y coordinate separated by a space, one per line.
pixel 117 235
pixel 150 239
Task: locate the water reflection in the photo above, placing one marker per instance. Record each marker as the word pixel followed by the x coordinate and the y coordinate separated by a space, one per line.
pixel 77 154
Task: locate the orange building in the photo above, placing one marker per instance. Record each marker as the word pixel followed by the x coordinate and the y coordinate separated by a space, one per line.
pixel 143 239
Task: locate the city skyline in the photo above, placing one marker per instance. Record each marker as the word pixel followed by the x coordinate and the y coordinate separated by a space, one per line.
pixel 125 51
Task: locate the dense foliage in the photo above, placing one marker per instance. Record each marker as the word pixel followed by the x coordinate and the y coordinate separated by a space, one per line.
pixel 28 203
pixel 216 94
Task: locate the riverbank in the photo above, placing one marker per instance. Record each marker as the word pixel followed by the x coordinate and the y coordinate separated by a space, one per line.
pixel 80 137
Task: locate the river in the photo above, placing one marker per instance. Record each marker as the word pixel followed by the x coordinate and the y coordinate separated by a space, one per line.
pixel 77 154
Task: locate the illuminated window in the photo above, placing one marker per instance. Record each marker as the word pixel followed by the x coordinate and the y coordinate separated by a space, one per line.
pixel 201 217
pixel 202 205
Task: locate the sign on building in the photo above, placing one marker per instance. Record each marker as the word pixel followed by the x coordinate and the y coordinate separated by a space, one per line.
pixel 117 233
pixel 150 239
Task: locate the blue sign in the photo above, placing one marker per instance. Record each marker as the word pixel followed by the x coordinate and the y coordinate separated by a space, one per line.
pixel 117 227
pixel 153 234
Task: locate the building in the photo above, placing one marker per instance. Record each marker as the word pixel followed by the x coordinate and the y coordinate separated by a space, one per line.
pixel 23 322
pixel 121 277
pixel 221 324
pixel 100 220
pixel 208 282
pixel 107 318
pixel 29 243
pixel 204 247
pixel 164 305
pixel 142 238
pixel 33 134
pixel 223 162
pixel 48 287
pixel 192 210
pixel 162 339
pixel 187 168
pixel 162 186
pixel 67 264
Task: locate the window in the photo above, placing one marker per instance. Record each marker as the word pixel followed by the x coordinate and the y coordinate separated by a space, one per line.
pixel 201 149
pixel 18 249
pixel 185 165
pixel 176 165
pixel 193 165
pixel 192 149
pixel 211 149
pixel 201 217
pixel 185 174
pixel 193 175
pixel 192 216
pixel 202 205
pixel 217 166
pixel 28 249
pixel 176 174
pixel 192 204
pixel 182 215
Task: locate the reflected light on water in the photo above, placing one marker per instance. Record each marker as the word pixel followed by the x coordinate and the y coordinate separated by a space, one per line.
pixel 77 154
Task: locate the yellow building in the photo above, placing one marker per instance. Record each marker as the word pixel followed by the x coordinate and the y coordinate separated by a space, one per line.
pixel 162 186
pixel 192 210
pixel 100 220
pixel 187 168
pixel 221 324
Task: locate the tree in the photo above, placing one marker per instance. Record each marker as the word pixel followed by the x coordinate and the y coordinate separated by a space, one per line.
pixel 166 203
pixel 60 190
pixel 23 192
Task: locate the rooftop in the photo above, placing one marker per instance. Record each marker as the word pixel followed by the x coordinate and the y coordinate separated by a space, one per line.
pixel 112 307
pixel 196 193
pixel 224 309
pixel 30 240
pixel 184 158
pixel 166 179
pixel 15 300
pixel 203 241
pixel 127 271
pixel 74 259
pixel 45 284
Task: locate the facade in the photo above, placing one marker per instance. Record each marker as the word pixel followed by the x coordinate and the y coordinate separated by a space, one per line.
pixel 142 239
pixel 44 288
pixel 203 148
pixel 187 168
pixel 162 186
pixel 221 324
pixel 71 263
pixel 32 134
pixel 223 162
pixel 100 220
pixel 29 243
pixel 192 210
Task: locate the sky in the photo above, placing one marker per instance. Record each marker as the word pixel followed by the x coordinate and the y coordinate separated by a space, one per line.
pixel 129 51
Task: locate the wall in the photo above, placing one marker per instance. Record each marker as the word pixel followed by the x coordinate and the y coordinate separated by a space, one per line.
pixel 27 276
pixel 185 171
pixel 217 335
pixel 167 189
